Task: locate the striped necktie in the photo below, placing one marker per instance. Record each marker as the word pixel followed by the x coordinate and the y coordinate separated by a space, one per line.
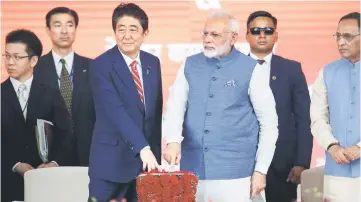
pixel 136 78
pixel 66 86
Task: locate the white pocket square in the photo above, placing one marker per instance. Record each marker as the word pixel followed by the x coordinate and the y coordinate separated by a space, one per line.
pixel 230 83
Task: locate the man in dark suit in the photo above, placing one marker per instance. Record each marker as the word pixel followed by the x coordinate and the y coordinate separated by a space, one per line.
pixel 24 99
pixel 67 71
pixel 127 90
pixel 289 87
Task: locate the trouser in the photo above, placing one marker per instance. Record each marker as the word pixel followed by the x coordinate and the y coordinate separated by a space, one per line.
pixel 234 190
pixel 341 189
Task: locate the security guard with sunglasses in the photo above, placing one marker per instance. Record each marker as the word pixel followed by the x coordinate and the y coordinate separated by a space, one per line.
pixel 289 87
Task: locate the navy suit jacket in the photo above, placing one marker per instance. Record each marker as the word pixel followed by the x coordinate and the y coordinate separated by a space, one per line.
pixel 82 106
pixel 123 124
pixel 295 141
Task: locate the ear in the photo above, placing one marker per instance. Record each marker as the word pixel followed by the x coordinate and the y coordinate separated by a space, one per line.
pixel 234 37
pixel 276 36
pixel 247 36
pixel 145 34
pixel 47 30
pixel 33 61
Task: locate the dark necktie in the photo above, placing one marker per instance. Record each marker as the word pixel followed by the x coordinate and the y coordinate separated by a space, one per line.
pixel 261 61
pixel 66 86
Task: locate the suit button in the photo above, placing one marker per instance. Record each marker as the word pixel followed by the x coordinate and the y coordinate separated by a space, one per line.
pixel 132 148
pixel 218 66
pixel 208 113
pixel 211 96
pixel 214 78
pixel 206 131
pixel 206 149
pixel 26 146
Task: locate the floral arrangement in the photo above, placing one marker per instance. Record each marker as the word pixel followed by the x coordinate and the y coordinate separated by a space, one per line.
pixel 164 186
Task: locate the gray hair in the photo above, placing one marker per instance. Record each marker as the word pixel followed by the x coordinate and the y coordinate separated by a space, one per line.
pixel 233 22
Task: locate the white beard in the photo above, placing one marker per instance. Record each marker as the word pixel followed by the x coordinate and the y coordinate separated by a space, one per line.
pixel 218 51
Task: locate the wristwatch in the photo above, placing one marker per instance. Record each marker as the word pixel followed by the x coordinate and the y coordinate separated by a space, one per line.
pixel 332 144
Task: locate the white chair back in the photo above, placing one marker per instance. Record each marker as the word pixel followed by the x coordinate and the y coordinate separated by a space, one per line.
pixel 312 184
pixel 59 184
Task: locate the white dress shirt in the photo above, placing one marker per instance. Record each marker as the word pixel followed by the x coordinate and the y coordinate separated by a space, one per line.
pixel 263 102
pixel 129 61
pixel 267 63
pixel 26 94
pixel 69 59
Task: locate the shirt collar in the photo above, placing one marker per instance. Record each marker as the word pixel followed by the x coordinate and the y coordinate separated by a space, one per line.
pixel 349 62
pixel 68 58
pixel 17 83
pixel 129 60
pixel 267 59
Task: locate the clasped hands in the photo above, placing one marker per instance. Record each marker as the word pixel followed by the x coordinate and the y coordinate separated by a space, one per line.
pixel 344 155
pixel 21 168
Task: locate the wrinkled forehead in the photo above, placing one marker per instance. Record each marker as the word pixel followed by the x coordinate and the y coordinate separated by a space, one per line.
pixel 217 25
pixel 348 26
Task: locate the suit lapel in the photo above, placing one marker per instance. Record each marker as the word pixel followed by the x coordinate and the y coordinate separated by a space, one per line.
pixel 122 70
pixel 79 79
pixel 50 69
pixel 146 74
pixel 34 100
pixel 275 73
pixel 9 94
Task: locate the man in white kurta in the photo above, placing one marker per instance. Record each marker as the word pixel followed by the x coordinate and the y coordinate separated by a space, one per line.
pixel 222 110
pixel 335 114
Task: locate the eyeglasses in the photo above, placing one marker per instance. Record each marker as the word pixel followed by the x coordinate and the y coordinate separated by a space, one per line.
pixel 265 30
pixel 214 35
pixel 348 37
pixel 15 57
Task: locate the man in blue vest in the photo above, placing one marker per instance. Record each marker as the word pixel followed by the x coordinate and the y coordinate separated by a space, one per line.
pixel 289 87
pixel 221 112
pixel 335 114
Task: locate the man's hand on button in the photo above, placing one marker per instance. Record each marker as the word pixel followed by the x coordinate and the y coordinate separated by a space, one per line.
pixel 148 159
pixel 172 153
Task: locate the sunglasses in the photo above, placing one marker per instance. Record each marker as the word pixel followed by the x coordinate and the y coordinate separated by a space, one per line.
pixel 266 30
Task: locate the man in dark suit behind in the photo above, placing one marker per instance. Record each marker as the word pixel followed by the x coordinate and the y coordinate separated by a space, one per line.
pixel 24 99
pixel 289 87
pixel 60 68
pixel 127 90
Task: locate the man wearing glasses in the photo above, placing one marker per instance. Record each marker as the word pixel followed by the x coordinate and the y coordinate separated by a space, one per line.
pixel 289 87
pixel 222 112
pixel 24 99
pixel 335 114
